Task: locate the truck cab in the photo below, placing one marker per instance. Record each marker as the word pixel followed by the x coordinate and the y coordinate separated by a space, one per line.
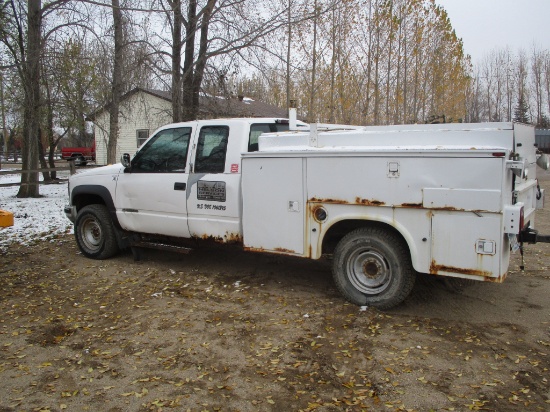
pixel 184 181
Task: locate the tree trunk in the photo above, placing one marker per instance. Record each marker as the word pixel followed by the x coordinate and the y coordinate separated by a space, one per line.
pixel 416 73
pixel 547 78
pixel 188 68
pixel 376 113
pixel 311 117
pixel 48 104
pixel 202 57
pixel 333 67
pixel 288 53
pixel 4 134
pixel 390 62
pixel 31 72
pixel 536 68
pixel 177 45
pixel 42 157
pixel 368 97
pixel 116 87
pixel 404 109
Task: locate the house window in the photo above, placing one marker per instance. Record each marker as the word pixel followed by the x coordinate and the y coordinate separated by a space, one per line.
pixel 142 135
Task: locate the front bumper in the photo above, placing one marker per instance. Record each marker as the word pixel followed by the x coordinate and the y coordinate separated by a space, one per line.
pixel 70 212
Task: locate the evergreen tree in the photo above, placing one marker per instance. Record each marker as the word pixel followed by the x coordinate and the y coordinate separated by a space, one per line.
pixel 521 114
pixel 544 122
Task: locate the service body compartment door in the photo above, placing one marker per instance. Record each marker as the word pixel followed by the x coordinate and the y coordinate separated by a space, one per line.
pixel 465 244
pixel 273 204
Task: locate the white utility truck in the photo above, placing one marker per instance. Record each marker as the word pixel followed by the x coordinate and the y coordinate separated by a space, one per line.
pixel 385 202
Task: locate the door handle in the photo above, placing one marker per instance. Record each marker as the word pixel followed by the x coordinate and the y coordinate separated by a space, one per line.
pixel 180 186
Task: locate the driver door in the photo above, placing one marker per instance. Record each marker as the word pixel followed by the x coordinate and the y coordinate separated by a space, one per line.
pixel 151 194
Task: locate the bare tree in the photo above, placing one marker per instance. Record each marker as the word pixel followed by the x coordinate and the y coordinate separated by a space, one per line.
pixel 215 33
pixel 537 79
pixel 24 52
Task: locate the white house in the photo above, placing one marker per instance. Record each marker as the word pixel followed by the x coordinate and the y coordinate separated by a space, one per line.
pixel 142 111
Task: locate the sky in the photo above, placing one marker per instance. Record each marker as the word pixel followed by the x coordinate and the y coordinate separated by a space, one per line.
pixel 486 25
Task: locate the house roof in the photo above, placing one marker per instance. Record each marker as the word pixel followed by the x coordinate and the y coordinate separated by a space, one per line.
pixel 241 107
pixel 212 106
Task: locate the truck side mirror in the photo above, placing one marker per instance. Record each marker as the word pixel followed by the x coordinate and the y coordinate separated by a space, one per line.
pixel 125 160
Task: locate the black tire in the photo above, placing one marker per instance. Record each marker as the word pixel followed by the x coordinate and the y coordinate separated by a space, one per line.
pixel 95 233
pixel 372 267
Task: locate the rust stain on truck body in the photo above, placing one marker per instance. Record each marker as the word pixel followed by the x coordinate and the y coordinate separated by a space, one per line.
pixel 486 275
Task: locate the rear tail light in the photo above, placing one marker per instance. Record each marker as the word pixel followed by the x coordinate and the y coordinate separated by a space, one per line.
pixel 513 218
pixel 521 218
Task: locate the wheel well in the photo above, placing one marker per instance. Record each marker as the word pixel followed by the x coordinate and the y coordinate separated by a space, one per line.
pixel 86 199
pixel 340 229
pixel 83 195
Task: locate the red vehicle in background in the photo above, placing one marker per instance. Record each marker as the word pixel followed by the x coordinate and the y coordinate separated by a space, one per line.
pixel 81 155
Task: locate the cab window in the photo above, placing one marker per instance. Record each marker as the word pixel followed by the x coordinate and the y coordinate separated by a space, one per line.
pixel 258 128
pixel 211 149
pixel 166 152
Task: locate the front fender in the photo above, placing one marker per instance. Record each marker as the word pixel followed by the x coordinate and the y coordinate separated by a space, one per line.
pixel 84 195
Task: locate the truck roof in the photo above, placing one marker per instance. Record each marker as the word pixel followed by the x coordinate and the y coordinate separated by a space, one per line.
pixel 229 121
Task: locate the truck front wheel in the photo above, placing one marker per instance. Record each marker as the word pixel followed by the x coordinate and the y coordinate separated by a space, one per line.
pixel 95 233
pixel 372 266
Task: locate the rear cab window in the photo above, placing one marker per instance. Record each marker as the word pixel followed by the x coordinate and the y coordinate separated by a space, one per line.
pixel 257 129
pixel 211 149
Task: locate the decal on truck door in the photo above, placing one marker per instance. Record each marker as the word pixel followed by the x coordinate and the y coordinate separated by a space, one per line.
pixel 212 191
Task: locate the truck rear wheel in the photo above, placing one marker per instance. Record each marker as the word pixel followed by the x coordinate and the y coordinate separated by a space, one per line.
pixel 372 266
pixel 95 233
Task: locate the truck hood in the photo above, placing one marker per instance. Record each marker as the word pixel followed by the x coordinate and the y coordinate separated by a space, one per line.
pixel 99 171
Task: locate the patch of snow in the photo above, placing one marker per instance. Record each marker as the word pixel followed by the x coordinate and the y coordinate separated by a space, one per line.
pixel 34 219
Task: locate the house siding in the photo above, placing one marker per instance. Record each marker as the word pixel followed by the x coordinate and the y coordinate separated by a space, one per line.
pixel 139 111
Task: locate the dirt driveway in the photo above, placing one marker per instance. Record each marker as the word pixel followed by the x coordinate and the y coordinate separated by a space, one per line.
pixel 225 330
